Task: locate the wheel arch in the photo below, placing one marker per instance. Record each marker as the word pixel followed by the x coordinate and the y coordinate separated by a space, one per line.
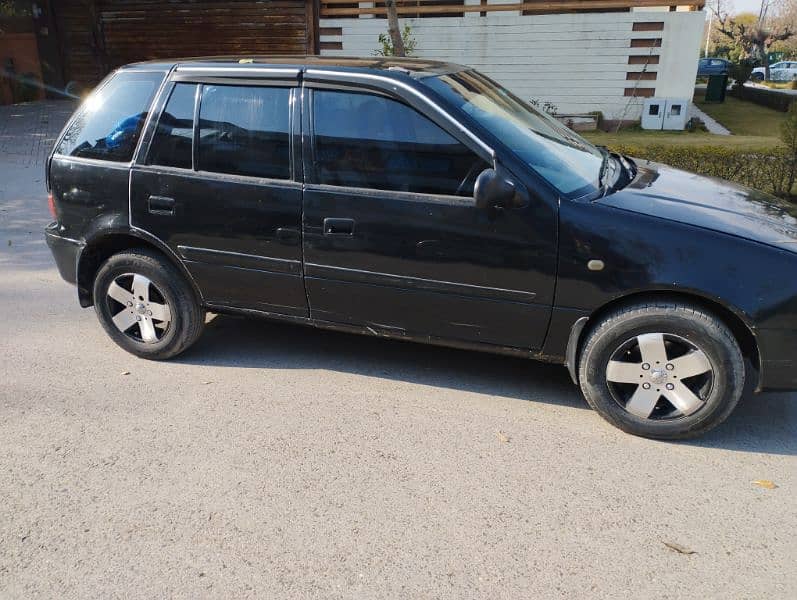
pixel 741 331
pixel 101 247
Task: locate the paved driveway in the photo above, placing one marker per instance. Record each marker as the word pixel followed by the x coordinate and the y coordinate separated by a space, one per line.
pixel 277 461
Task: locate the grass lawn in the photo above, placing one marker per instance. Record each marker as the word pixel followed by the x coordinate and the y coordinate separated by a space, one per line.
pixel 744 118
pixel 641 138
pixel 754 127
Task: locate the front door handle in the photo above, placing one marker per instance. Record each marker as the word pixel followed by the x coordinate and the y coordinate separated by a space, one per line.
pixel 338 226
pixel 160 205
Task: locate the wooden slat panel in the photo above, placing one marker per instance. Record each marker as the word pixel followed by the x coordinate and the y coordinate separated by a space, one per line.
pixel 648 26
pixel 331 31
pixel 127 31
pixel 137 31
pixel 78 47
pixel 643 59
pixel 640 92
pixel 646 43
pixel 331 8
pixel 640 76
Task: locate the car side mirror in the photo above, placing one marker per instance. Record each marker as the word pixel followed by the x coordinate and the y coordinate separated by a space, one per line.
pixel 494 189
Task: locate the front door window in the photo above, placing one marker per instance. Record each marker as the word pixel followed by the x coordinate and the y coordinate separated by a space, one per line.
pixel 368 141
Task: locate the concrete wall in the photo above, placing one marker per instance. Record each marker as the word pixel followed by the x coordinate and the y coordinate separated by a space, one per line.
pixel 580 62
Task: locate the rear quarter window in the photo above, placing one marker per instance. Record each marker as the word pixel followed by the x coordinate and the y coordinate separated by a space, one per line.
pixel 109 121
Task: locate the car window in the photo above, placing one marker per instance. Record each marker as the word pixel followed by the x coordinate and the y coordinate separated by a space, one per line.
pixel 171 145
pixel 109 121
pixel 369 141
pixel 244 130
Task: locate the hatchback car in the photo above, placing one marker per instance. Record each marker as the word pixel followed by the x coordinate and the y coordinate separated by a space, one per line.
pixel 713 66
pixel 785 70
pixel 420 201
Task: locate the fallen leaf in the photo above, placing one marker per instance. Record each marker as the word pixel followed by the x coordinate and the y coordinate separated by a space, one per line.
pixel 765 483
pixel 503 438
pixel 678 548
pixel 206 382
pixel 125 372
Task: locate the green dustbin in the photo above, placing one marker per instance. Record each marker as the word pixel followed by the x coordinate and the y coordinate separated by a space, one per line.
pixel 715 92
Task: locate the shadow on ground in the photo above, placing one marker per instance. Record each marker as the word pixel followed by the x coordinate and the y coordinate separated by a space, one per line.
pixel 762 423
pixel 254 343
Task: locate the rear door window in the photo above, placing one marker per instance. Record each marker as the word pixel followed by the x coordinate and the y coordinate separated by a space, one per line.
pixel 109 121
pixel 171 145
pixel 244 130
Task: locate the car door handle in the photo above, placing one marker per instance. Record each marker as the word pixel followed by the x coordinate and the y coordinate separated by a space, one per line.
pixel 287 235
pixel 338 226
pixel 160 205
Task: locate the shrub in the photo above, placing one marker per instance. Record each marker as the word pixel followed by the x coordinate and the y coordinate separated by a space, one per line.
pixel 387 44
pixel 768 169
pixel 777 100
pixel 740 72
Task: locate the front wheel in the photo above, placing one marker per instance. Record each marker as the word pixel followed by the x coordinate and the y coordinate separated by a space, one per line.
pixel 146 306
pixel 662 370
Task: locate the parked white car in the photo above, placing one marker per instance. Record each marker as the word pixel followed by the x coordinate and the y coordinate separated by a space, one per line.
pixel 785 70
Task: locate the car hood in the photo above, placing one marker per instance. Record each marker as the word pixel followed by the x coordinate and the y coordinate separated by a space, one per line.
pixel 710 203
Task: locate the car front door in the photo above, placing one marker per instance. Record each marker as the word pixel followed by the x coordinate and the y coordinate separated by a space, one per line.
pixel 393 241
pixel 219 187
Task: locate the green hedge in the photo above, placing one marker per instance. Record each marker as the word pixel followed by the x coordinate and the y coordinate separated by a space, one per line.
pixel 769 98
pixel 771 170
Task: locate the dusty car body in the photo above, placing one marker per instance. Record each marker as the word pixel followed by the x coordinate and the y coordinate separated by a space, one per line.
pixel 417 200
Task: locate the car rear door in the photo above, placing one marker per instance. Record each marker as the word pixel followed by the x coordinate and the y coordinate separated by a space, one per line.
pixel 218 185
pixel 393 240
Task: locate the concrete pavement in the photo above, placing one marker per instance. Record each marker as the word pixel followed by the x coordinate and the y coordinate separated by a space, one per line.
pixel 273 461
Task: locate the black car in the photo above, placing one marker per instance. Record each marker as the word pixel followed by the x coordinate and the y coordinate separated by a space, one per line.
pixel 713 66
pixel 421 201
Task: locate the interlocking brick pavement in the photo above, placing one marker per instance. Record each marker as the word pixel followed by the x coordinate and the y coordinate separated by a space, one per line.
pixel 28 131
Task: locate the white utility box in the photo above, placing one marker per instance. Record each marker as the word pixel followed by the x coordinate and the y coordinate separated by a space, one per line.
pixel 665 113
pixel 676 114
pixel 653 113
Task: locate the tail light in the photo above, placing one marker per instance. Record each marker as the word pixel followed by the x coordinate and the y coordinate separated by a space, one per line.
pixel 51 205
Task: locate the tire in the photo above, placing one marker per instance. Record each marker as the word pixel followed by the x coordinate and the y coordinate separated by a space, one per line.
pixel 146 306
pixel 757 77
pixel 622 379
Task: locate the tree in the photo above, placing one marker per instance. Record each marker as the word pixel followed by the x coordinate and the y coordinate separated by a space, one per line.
pixel 755 39
pixel 393 28
pixel 787 16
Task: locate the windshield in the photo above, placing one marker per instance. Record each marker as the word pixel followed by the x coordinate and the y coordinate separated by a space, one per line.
pixel 566 160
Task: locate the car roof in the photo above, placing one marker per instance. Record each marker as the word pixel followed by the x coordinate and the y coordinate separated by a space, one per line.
pixel 414 67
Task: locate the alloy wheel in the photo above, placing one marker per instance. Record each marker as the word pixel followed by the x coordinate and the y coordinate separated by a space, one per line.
pixel 660 376
pixel 138 308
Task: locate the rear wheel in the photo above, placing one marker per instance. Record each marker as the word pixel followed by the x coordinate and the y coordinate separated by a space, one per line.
pixel 662 370
pixel 145 304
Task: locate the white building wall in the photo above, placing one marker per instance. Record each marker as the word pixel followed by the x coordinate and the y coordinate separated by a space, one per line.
pixel 579 61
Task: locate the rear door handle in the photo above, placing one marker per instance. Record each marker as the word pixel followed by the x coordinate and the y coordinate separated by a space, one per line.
pixel 160 205
pixel 338 226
